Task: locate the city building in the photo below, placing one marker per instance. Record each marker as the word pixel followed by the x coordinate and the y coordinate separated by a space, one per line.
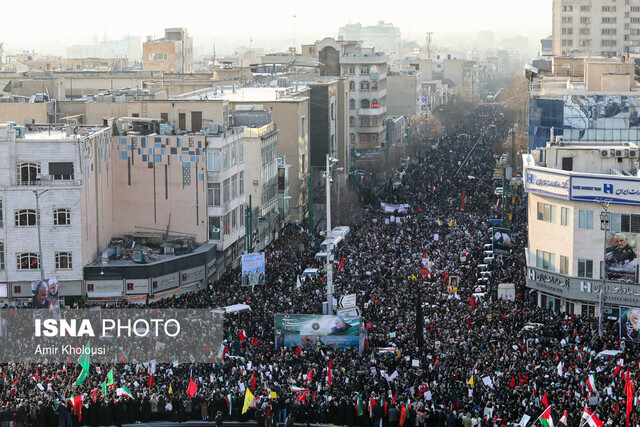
pixel 95 64
pixel 583 225
pixel 404 93
pixel 261 183
pixel 584 99
pixel 55 186
pixel 172 53
pixel 226 193
pixel 383 36
pixel 597 27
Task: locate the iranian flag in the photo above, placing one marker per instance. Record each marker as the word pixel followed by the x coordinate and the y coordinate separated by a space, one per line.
pixel 229 399
pixel 298 389
pixel 591 382
pixel 359 409
pixel 547 418
pixel 222 351
pixel 123 391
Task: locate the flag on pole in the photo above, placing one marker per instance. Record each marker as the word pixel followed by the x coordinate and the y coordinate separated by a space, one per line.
pixel 222 351
pixel 192 389
pixel 253 382
pixel 563 420
pixel 341 264
pixel 248 398
pixel 123 391
pixel 591 382
pixel 359 409
pixel 545 402
pixel 229 399
pixel 590 419
pixel 242 336
pixel 372 403
pixel 470 382
pixel 618 367
pixel 77 406
pixel 83 361
pixel 547 418
pixel 170 388
pixel 473 303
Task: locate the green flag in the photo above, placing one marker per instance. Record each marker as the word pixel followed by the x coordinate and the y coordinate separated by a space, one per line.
pixel 7 88
pixel 110 378
pixel 103 386
pixel 83 361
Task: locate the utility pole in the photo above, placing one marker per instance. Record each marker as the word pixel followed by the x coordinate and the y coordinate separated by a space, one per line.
pixel 330 161
pixel 310 203
pixel 604 223
pixel 249 226
pixel 38 194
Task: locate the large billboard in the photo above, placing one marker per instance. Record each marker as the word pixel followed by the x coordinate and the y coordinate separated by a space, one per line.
pixel 630 324
pixel 308 330
pixel 253 269
pixel 621 259
pixel 501 240
pixel 45 294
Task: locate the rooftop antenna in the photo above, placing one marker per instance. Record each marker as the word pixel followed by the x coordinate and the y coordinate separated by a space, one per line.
pixel 429 44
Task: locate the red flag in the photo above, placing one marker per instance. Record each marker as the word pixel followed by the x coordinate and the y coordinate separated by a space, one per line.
pixel 254 341
pixel 419 209
pixel 545 402
pixel 315 393
pixel 464 205
pixel 512 384
pixel 310 376
pixel 526 379
pixel 77 406
pixel 298 349
pixel 446 276
pixel 341 264
pixel 557 356
pixel 436 362
pixel 571 317
pixel 469 321
pixel 431 328
pixel 151 380
pixel 242 336
pixel 36 376
pixel 94 395
pixel 403 416
pixel 629 389
pixel 520 379
pixel 192 389
pixel 253 382
pixel 473 303
pixel 384 403
pixel 329 376
pixel 331 362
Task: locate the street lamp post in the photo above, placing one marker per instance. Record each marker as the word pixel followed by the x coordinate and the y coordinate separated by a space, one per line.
pixel 38 194
pixel 604 223
pixel 330 162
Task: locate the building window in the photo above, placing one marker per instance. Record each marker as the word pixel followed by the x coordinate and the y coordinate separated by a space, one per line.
pixel 1 215
pixel 1 255
pixel 567 31
pixel 567 20
pixel 545 260
pixel 352 104
pixel 585 20
pixel 564 264
pixel 352 85
pixel 352 121
pixel 585 219
pixel 213 194
pixel 213 160
pixel 62 217
pixel 214 228
pixel 364 103
pixel 234 148
pixel 609 43
pixel 234 219
pixel 240 151
pixel 225 156
pixel 567 42
pixel 234 186
pixel 226 193
pixel 588 310
pixel 585 8
pixel 364 121
pixel 28 173
pixel 375 103
pixel 364 70
pixel 303 132
pixel 585 31
pixel 626 223
pixel 63 261
pixel 227 224
pixel 608 20
pixel 364 85
pixel 242 214
pixel 241 182
pixel 608 8
pixel 585 268
pixel 546 212
pixel 26 218
pixel 61 171
pixel 27 261
pixel 609 32
pixel 564 216
pixel 158 57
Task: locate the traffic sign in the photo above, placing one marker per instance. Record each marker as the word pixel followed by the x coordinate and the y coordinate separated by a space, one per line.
pixel 347 301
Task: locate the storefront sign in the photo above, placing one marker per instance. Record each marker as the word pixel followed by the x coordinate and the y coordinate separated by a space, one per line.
pixel 621 190
pixel 192 275
pixel 546 183
pixel 162 283
pixel 104 288
pixel 136 286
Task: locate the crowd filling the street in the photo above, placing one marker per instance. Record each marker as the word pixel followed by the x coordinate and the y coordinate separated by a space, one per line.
pixel 432 354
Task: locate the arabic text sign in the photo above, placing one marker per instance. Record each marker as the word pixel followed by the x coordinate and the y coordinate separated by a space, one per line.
pixel 546 183
pixel 618 190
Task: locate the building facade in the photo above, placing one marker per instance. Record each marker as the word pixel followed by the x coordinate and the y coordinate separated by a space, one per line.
pixel 383 36
pixel 404 95
pixel 597 27
pixel 171 54
pixel 583 226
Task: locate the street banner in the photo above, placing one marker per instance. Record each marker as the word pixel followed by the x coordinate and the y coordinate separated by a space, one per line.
pixel 621 259
pixel 630 324
pixel 389 208
pixel 502 242
pixel 253 269
pixel 308 330
pixel 45 294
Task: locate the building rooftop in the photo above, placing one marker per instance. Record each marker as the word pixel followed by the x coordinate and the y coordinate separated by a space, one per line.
pixel 51 133
pixel 259 94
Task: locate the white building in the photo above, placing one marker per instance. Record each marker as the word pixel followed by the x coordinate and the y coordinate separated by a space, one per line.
pixel 225 194
pixel 65 171
pixel 571 188
pixel 599 27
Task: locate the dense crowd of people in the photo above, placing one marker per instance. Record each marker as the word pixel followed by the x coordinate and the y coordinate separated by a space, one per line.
pixel 431 356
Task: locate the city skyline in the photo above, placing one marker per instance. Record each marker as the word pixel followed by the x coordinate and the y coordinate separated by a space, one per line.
pixel 504 17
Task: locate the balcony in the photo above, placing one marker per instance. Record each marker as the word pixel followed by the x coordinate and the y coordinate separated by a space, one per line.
pixel 46 182
pixel 372 111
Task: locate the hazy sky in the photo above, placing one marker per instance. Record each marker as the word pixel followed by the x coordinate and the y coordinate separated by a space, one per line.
pixel 51 26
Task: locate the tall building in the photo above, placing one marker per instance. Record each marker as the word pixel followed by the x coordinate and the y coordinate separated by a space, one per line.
pixel 383 36
pixel 584 225
pixel 171 54
pixel 597 27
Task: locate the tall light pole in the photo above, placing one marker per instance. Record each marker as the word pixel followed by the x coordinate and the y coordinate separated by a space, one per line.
pixel 604 223
pixel 330 162
pixel 38 194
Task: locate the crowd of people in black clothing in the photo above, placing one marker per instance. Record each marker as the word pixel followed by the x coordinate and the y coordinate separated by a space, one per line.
pixel 457 364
